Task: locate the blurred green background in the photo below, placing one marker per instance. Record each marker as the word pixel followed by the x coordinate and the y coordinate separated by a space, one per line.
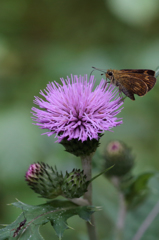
pixel 41 41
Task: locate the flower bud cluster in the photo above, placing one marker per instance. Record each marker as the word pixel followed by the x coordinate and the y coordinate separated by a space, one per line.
pixel 50 184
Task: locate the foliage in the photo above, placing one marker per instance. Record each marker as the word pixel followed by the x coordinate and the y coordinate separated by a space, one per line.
pixel 137 189
pixel 56 212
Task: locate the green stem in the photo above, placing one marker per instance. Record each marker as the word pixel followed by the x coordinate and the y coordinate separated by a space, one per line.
pixel 79 201
pixel 86 165
pixel 122 211
pixel 147 222
pixel 121 217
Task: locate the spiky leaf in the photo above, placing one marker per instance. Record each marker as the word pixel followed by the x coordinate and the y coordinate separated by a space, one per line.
pixel 57 212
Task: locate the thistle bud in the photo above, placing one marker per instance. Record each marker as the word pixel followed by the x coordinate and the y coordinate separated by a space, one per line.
pixel 119 155
pixel 44 180
pixel 79 148
pixel 75 184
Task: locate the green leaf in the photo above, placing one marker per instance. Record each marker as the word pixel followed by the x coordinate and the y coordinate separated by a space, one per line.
pixel 137 189
pixel 106 170
pixel 56 212
pixel 137 216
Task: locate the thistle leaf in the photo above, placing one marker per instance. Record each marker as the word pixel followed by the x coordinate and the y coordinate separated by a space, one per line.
pixel 56 212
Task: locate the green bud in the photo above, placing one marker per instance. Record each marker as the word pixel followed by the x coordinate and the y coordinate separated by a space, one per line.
pixel 44 180
pixel 75 184
pixel 118 154
pixel 79 148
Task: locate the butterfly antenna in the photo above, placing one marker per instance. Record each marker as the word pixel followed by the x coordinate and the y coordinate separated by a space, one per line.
pixel 90 75
pixel 94 68
pixel 98 69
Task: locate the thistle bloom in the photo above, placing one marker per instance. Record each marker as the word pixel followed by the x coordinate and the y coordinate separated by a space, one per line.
pixel 74 110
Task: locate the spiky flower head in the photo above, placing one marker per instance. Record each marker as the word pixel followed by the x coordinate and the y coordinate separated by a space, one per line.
pixel 74 111
pixel 75 184
pixel 120 155
pixel 44 180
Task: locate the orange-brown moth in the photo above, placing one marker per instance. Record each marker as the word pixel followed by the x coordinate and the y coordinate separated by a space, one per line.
pixel 131 81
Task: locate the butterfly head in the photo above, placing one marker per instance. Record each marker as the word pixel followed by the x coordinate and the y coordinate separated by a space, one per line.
pixel 109 74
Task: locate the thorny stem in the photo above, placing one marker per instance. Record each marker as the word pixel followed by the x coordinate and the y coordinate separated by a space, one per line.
pixel 86 165
pixel 122 211
pixel 147 222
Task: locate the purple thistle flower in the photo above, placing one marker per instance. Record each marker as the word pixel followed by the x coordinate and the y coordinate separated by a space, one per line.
pixel 74 110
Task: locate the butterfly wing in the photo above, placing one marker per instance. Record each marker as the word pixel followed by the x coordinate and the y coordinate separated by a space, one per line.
pixel 146 75
pixel 131 85
pixel 141 71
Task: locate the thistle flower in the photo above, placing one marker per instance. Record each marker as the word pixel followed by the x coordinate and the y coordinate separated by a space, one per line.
pixel 74 111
